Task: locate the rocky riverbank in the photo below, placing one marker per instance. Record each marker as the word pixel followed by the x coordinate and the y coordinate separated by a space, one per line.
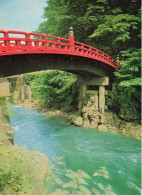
pixel 106 122
pixel 109 122
pixel 91 118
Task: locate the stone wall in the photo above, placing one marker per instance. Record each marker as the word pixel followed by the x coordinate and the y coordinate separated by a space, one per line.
pixel 25 92
pixel 6 134
pixel 17 88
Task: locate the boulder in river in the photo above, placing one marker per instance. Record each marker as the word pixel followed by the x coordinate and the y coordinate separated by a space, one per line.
pixel 86 124
pixel 113 129
pixel 102 128
pixel 77 121
pixel 94 124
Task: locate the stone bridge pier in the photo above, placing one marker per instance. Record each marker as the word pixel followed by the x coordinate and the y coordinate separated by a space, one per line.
pixel 101 82
pixel 6 134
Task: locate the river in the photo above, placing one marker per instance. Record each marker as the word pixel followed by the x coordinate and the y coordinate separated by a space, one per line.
pixel 84 149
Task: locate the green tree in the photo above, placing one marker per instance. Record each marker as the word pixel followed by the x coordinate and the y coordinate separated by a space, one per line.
pixel 112 26
pixel 125 97
pixel 119 27
pixel 57 89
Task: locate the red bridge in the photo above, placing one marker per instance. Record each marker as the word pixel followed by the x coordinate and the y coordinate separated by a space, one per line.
pixel 22 52
pixel 20 47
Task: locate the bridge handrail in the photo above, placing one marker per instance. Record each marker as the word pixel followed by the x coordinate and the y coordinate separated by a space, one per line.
pixel 34 34
pixel 62 45
pixel 93 48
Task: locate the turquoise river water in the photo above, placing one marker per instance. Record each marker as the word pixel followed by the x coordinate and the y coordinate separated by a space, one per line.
pixel 84 149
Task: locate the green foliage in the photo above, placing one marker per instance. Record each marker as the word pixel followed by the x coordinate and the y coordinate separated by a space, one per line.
pixel 125 102
pixel 129 73
pixel 70 182
pixel 16 175
pixel 118 28
pixel 57 89
pixel 112 26
pixel 125 97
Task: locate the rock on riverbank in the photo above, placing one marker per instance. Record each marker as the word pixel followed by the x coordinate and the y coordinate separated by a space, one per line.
pixel 107 122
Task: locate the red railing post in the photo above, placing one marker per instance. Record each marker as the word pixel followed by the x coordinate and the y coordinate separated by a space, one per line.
pixel 82 49
pixel 71 39
pixel 6 37
pixel 28 41
pixel 44 44
pixel 18 43
pixel 58 44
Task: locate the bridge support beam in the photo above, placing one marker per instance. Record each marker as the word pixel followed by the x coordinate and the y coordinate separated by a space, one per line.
pixel 96 81
pixel 17 88
pixel 101 98
pixel 81 97
pixel 6 134
pixel 26 92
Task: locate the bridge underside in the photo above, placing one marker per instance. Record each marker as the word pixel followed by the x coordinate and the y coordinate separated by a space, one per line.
pixel 89 71
pixel 19 64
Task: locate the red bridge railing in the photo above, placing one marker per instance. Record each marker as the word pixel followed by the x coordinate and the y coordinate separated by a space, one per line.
pixel 17 42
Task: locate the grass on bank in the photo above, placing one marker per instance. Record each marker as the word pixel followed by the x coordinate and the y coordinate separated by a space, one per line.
pixel 27 172
pixel 22 171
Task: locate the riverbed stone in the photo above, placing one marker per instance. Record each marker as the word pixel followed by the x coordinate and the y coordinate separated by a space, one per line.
pixel 94 124
pixel 10 134
pixel 96 104
pixel 77 121
pixel 92 99
pixel 102 118
pixel 113 129
pixel 85 109
pixel 85 116
pixel 86 124
pixel 94 117
pixel 132 131
pixel 89 104
pixel 138 131
pixel 92 109
pixel 102 128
